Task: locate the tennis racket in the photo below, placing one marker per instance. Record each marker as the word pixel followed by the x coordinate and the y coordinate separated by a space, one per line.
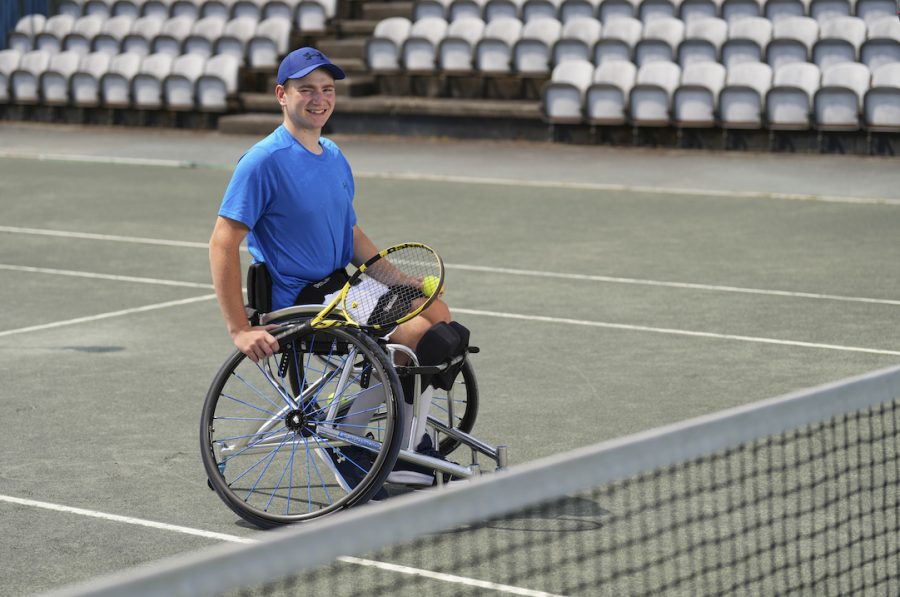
pixel 392 287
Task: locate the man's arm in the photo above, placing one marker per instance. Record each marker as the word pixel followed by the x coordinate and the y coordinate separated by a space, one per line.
pixel 363 248
pixel 225 266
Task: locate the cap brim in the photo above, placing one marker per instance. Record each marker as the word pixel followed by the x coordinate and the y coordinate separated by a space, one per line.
pixel 336 72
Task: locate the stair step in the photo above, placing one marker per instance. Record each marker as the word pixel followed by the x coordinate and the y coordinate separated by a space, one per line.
pixel 340 49
pixel 378 11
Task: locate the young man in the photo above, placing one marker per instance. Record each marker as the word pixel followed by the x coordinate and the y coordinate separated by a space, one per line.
pixel 291 196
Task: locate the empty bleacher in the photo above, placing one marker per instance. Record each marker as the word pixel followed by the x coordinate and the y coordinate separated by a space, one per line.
pixel 809 75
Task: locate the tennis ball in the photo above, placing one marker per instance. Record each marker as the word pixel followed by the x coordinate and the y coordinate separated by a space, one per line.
pixel 430 285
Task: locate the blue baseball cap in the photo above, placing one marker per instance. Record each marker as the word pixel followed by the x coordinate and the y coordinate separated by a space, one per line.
pixel 303 61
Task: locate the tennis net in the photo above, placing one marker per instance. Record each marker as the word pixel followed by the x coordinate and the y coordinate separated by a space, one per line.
pixel 793 495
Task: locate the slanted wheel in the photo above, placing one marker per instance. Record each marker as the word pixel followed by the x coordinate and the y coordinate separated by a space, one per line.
pixel 457 408
pixel 309 431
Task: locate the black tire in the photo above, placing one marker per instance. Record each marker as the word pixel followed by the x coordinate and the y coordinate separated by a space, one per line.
pixel 276 455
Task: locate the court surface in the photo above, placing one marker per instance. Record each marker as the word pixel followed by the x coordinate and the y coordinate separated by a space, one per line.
pixel 610 291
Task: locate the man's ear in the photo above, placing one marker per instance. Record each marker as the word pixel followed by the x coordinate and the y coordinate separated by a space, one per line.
pixel 279 95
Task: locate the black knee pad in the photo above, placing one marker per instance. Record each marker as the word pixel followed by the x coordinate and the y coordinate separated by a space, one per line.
pixel 439 344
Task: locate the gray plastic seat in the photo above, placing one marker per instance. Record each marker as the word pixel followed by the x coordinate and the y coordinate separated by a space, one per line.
pixel 613 9
pixel 466 9
pixel 874 10
pixel 578 9
pixel 839 100
pixel 314 15
pixel 160 9
pixel 651 97
pixel 9 63
pixel 143 31
pixel 127 8
pixel 113 31
pixel 234 39
pixel 825 10
pixel 54 81
pixel 789 101
pixel 115 85
pixel 688 10
pixel 456 51
pixel 419 51
pixel 494 51
pixel 85 82
pixel 55 30
pixel 577 39
pixel 22 37
pixel 618 39
pixel 179 86
pixel 607 99
pixel 882 45
pixel 382 49
pixel 776 10
pixel 269 43
pixel 218 83
pixel 172 35
pixel 696 99
pixel 660 39
pixel 532 53
pixel 563 95
pixel 747 41
pixel 734 10
pixel 840 39
pixel 541 9
pixel 203 36
pixel 650 10
pixel 703 40
pixel 25 80
pixel 881 104
pixel 792 41
pixel 84 30
pixel 146 87
pixel 742 99
pixel 436 9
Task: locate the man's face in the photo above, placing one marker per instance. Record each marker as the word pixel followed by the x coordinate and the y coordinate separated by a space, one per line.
pixel 309 101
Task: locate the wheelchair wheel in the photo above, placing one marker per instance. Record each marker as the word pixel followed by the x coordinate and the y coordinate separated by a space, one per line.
pixel 311 430
pixel 457 408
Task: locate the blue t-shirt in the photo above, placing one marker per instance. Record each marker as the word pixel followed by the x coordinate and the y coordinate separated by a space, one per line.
pixel 298 207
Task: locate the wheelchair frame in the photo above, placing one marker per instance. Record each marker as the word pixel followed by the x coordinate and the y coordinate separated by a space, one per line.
pixel 293 417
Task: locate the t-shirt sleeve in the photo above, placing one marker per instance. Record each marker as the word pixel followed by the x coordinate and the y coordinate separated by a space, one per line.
pixel 247 194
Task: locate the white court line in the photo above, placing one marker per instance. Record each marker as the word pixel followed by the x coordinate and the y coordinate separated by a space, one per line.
pixel 676 332
pixel 104 237
pixel 96 276
pixel 449 578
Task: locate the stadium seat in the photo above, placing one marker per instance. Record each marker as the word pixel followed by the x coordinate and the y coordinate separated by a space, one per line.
pixel 185 8
pixel 618 40
pixel 314 15
pixel 540 9
pixel 660 39
pixel 419 51
pixel 85 82
pixel 216 8
pixel 26 31
pixel 9 63
pixel 172 35
pixel 578 9
pixel 203 36
pixel 114 30
pixel 115 85
pixel 438 9
pixel 650 103
pixel 161 9
pixel 457 49
pixel 824 10
pixel 606 100
pixel 881 105
pixel 649 10
pixel 613 9
pixel 24 81
pixel 84 31
pixel 466 8
pixel 217 84
pixel 508 9
pixel 789 101
pixel 838 101
pixel 792 41
pixel 146 87
pixel 250 9
pixel 695 101
pixel 97 8
pixel 577 39
pixel 563 96
pixel 234 39
pixel 72 8
pixel 127 8
pixel 54 81
pixel 532 53
pixel 269 43
pixel 688 10
pixel 282 9
pixel 55 30
pixel 874 10
pixel 747 41
pixel 703 40
pixel 382 49
pixel 839 41
pixel 178 86
pixel 143 31
pixel 741 100
pixel 733 10
pixel 776 10
pixel 882 45
pixel 493 52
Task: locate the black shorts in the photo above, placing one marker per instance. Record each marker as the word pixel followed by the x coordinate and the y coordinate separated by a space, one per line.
pixel 315 293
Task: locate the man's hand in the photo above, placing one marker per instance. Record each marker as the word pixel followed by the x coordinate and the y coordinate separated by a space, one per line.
pixel 257 343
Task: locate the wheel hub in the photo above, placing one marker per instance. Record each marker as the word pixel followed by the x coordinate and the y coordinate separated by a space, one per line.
pixel 298 422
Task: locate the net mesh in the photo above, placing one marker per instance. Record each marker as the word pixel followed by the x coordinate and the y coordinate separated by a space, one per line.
pixel 796 495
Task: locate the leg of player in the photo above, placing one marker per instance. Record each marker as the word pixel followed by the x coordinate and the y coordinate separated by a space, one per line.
pixel 410 332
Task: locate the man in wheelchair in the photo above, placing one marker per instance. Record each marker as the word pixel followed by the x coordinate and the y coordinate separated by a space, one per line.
pixel 291 197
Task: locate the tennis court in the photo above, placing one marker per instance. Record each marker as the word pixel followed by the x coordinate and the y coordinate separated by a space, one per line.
pixel 610 292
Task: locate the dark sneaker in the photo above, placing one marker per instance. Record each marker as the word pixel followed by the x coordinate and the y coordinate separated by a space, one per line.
pixel 407 473
pixel 352 464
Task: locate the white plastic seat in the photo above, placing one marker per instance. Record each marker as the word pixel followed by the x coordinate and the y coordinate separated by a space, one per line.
pixel 703 40
pixel 203 36
pixel 825 10
pixel 246 8
pixel 146 87
pixel 776 10
pixel 695 102
pixel 314 15
pixel 577 39
pixel 882 45
pixel 493 52
pixel 172 35
pixel 650 10
pixel 741 100
pixel 161 9
pixel 734 10
pixel 127 8
pixel 507 9
pixel 874 10
pixel 9 63
pixel 84 30
pixel 419 50
pixel 688 10
pixel 97 8
pixel 113 31
pixel 24 81
pixel 280 9
pixel 618 39
pixel 563 95
pixel 457 49
pixel 218 83
pixel 73 8
pixel 234 39
pixel 55 30
pixel 606 100
pixel 85 82
pixel 143 31
pixel 578 9
pixel 540 9
pixel 789 101
pixel 532 53
pixel 839 100
pixel 651 96
pixel 466 8
pixel 839 41
pixel 115 85
pixel 26 31
pixel 614 9
pixel 881 105
pixel 185 8
pixel 54 81
pixel 747 41
pixel 792 41
pixel 383 47
pixel 660 39
pixel 269 43
pixel 436 9
pixel 178 86
pixel 216 8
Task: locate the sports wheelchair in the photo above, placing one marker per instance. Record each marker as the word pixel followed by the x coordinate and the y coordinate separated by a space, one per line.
pixel 324 424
